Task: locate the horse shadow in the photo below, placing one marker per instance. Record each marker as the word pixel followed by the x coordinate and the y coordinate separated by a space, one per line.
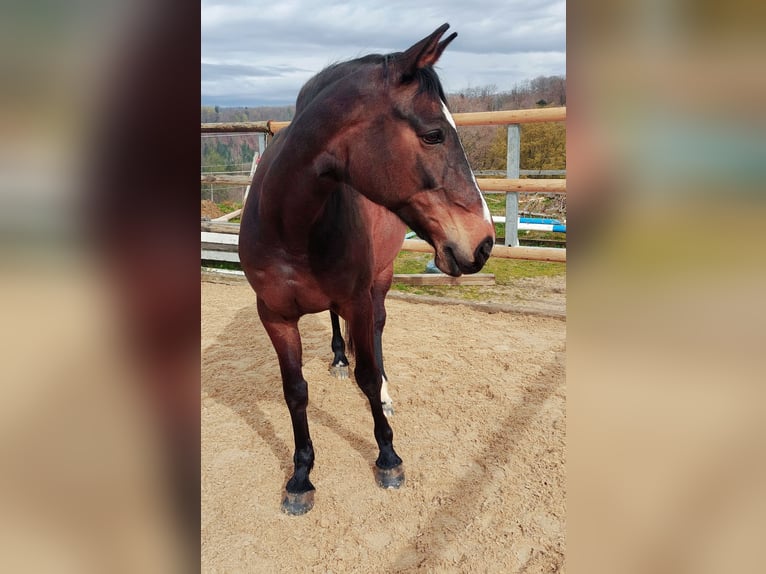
pixel 241 372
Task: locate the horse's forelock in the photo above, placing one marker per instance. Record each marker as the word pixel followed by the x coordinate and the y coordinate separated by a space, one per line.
pixel 429 83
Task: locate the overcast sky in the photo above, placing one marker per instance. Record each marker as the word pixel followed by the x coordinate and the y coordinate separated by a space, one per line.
pixel 260 53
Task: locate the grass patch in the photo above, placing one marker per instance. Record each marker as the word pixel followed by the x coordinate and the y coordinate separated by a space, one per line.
pixel 496 205
pixel 495 202
pixel 411 262
pixel 214 264
pixel 229 206
pixel 506 271
pixel 532 235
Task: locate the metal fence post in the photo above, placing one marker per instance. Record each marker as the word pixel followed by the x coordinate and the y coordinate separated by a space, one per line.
pixel 261 143
pixel 512 198
pixel 261 139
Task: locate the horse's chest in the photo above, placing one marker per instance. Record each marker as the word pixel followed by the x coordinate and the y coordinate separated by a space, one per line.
pixel 296 289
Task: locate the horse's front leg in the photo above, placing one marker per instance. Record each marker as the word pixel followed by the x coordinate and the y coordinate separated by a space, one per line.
pixel 284 334
pixel 389 472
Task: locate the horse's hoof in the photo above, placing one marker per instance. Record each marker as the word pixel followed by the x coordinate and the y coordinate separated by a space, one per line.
pixel 299 503
pixel 390 477
pixel 388 409
pixel 339 371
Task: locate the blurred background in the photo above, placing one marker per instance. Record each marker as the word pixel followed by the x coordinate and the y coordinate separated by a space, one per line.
pixel 665 317
pixel 99 287
pixel 99 292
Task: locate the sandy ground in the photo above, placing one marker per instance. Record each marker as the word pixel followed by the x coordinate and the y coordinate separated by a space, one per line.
pixel 533 296
pixel 480 424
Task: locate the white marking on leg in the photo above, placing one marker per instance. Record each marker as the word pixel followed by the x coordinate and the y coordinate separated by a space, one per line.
pixel 385 398
pixel 485 209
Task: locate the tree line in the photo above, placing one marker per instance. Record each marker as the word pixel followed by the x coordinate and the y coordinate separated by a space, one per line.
pixel 543 145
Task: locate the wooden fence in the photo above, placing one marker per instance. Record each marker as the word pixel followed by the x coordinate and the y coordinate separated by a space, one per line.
pixel 511 185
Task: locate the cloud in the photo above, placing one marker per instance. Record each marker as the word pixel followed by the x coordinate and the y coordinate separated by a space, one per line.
pixel 268 53
pixel 211 72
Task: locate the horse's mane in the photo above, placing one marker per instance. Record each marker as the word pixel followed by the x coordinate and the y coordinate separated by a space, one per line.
pixel 427 79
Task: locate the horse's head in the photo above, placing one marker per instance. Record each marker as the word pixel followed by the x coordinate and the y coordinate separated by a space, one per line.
pixel 407 157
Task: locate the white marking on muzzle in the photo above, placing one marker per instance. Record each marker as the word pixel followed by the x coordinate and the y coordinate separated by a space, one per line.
pixel 485 209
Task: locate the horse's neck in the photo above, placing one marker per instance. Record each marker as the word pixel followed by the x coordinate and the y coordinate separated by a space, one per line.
pixel 301 178
pixel 387 230
pixel 301 208
pixel 293 199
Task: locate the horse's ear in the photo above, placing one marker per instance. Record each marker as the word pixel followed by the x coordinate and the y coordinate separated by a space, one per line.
pixel 426 52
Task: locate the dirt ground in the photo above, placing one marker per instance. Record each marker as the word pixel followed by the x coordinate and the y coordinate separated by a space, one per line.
pixel 479 421
pixel 544 296
pixel 210 209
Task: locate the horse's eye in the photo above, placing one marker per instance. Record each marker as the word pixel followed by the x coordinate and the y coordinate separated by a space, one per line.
pixel 434 137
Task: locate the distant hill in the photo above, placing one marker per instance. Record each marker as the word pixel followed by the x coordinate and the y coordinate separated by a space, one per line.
pixel 541 91
pixel 246 114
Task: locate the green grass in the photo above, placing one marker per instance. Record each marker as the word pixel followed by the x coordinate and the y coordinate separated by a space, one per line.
pixel 230 265
pixel 506 271
pixel 411 262
pixel 229 206
pixel 495 202
pixel 524 234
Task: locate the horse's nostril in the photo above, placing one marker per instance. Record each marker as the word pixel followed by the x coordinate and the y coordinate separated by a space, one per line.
pixel 485 249
pixel 482 253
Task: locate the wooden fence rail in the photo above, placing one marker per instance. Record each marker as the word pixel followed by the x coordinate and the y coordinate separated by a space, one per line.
pixel 502 251
pixel 236 127
pixel 486 185
pixel 498 118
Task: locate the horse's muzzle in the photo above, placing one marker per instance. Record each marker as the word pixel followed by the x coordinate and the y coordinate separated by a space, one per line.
pixel 453 264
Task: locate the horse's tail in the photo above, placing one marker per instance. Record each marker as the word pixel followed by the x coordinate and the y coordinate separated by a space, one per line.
pixel 348 338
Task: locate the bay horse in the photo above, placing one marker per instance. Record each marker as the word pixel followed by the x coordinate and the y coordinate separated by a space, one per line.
pixel 372 149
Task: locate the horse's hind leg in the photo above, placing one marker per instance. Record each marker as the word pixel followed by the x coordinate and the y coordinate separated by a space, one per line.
pixel 389 472
pixel 339 366
pixel 379 307
pixel 299 496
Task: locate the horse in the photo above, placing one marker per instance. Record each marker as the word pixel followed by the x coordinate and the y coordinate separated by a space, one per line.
pixel 371 150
